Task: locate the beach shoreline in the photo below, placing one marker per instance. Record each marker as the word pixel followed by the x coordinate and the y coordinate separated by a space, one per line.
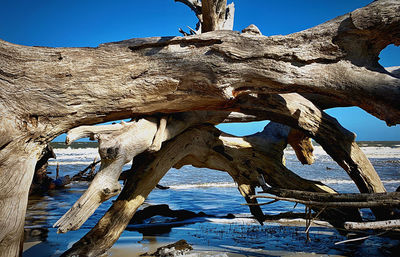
pixel 231 238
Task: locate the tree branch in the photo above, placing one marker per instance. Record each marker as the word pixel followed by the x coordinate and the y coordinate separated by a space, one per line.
pixel 194 5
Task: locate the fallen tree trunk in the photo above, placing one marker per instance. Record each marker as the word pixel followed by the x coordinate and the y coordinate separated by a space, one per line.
pixel 204 71
pixel 324 197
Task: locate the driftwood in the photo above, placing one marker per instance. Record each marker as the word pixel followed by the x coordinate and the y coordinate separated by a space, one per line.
pixel 202 147
pixel 47 91
pixel 82 176
pixel 356 204
pixel 333 200
pixel 381 225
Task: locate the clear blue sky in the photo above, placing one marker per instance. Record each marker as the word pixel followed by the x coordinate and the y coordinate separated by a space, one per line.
pixel 88 23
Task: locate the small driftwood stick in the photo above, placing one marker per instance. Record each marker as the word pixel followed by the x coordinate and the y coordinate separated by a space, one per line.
pixel 80 175
pixel 358 239
pixel 314 218
pixel 384 224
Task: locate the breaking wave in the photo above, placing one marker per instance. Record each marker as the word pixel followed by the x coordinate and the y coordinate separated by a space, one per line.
pixel 348 181
pixel 370 151
pixel 188 186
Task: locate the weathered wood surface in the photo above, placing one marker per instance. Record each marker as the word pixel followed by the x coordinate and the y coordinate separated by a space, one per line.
pixel 47 91
pixel 119 144
pixel 203 71
pixel 14 185
pixel 148 169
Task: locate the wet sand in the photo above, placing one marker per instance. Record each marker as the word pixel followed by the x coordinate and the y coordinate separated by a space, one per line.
pixel 233 238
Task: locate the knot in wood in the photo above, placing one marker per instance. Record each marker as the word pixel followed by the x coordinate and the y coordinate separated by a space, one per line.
pixel 109 153
pixel 110 191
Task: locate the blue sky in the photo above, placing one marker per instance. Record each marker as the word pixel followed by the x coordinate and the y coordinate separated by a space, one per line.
pixel 75 23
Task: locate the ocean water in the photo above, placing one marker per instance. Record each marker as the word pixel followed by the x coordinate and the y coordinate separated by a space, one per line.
pixel 214 193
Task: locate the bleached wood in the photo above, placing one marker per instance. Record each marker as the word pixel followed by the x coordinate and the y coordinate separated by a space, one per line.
pixel 384 224
pixel 14 193
pixel 90 132
pixel 115 152
pixel 148 171
pixel 213 12
pixel 159 71
pixel 159 136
